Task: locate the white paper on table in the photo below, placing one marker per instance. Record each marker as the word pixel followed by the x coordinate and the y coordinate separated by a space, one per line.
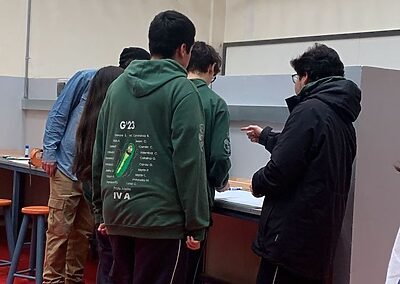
pixel 23 162
pixel 240 197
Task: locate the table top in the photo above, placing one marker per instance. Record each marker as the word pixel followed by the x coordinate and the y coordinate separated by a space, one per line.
pixel 234 200
pixel 239 200
pixel 20 164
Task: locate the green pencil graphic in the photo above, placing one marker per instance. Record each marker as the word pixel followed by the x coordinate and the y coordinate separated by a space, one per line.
pixel 126 158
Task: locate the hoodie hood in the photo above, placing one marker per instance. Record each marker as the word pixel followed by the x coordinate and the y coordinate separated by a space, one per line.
pixel 146 76
pixel 342 95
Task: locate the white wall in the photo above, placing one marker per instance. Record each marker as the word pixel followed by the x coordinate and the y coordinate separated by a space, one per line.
pixel 261 19
pixel 75 34
pixel 71 35
pixel 12 35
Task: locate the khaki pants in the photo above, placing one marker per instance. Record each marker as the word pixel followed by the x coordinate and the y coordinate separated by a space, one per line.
pixel 70 223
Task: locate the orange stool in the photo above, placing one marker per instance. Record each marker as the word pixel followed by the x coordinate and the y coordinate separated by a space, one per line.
pixel 38 215
pixel 6 205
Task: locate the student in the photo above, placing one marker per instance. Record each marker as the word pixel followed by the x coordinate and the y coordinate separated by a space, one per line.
pixel 70 221
pixel 149 179
pixel 204 65
pixel 307 180
pixel 129 54
pixel 84 145
pixel 83 160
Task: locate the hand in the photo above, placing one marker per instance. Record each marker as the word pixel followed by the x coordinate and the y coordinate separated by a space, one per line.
pixel 253 132
pixel 254 194
pixel 192 244
pixel 49 168
pixel 223 188
pixel 102 229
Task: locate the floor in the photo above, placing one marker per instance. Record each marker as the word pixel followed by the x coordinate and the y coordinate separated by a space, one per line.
pixel 90 270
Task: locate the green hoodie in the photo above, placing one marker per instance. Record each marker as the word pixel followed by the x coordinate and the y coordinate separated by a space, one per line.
pixel 149 178
pixel 217 142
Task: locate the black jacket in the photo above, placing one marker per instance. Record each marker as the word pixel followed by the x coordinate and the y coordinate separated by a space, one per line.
pixel 307 180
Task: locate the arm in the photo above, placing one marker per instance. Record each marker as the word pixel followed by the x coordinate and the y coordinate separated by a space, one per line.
pixel 59 115
pixel 290 156
pixel 268 138
pixel 265 136
pixel 97 164
pixel 189 164
pixel 220 149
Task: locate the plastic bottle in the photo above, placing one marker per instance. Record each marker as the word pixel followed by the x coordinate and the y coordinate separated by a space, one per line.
pixel 26 153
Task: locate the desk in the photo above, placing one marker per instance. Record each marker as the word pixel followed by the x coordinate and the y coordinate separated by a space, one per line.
pixel 228 254
pixel 20 169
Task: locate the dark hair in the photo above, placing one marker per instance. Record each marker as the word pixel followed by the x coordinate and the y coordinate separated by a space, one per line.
pixel 397 166
pixel 204 55
pixel 86 133
pixel 319 61
pixel 132 53
pixel 168 31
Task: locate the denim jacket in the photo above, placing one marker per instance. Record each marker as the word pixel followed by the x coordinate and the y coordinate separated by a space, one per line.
pixel 63 120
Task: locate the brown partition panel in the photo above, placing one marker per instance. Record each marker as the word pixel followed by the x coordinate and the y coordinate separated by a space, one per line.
pixel 228 255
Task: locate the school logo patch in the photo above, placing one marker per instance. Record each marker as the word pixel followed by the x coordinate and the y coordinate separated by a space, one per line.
pixel 227 146
pixel 201 136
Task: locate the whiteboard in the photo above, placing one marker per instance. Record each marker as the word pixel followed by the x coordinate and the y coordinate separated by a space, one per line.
pixel 377 49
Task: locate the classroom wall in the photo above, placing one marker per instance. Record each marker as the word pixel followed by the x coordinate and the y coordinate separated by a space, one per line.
pixel 260 19
pixel 12 34
pixel 70 35
pixel 66 36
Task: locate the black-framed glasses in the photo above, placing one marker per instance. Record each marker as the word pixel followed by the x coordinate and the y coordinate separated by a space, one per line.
pixel 295 78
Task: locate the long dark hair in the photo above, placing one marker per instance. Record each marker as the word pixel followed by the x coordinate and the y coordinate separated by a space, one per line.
pixel 86 133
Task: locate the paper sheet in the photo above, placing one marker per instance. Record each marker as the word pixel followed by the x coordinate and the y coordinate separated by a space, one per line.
pixel 241 197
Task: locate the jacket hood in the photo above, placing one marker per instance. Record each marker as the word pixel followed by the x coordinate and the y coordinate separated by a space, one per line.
pixel 146 76
pixel 342 95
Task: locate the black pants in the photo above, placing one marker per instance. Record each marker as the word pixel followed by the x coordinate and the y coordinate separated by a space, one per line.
pixel 105 259
pixel 269 273
pixel 144 261
pixel 195 260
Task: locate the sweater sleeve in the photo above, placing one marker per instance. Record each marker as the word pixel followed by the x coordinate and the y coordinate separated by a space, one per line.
pixel 220 149
pixel 268 138
pixel 189 164
pixel 290 155
pixel 60 113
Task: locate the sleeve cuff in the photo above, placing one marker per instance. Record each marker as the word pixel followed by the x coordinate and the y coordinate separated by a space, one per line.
pixel 98 219
pixel 264 136
pixel 49 156
pixel 198 235
pixel 255 184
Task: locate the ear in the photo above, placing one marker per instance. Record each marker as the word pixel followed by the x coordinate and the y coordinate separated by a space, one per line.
pixel 182 50
pixel 211 69
pixel 305 79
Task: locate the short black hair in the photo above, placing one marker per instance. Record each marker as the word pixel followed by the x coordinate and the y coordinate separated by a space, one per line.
pixel 319 61
pixel 129 54
pixel 168 31
pixel 204 55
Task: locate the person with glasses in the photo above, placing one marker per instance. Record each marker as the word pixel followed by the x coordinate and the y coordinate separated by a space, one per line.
pixel 204 65
pixel 307 179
